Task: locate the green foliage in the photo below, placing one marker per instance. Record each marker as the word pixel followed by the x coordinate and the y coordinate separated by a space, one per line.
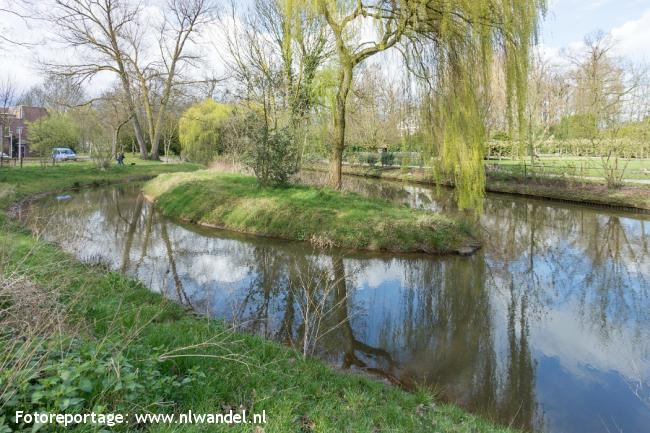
pixel 636 130
pixel 83 376
pixel 270 152
pixel 200 130
pixel 468 39
pixel 387 158
pixel 501 136
pixel 371 159
pixel 576 126
pixel 56 130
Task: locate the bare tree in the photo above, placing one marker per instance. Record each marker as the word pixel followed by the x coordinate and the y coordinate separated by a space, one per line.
pixel 97 29
pixel 158 79
pixel 601 92
pixel 7 95
pixel 546 102
pixel 273 52
pixel 57 93
pixel 114 115
pixel 17 11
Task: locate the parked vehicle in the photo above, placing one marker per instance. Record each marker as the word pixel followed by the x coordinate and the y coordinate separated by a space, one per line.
pixel 63 154
pixel 4 156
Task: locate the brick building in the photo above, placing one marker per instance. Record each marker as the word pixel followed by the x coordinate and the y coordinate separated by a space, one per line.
pixel 14 124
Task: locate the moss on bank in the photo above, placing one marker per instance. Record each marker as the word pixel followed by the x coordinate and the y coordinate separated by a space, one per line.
pixel 107 309
pixel 322 217
pixel 585 192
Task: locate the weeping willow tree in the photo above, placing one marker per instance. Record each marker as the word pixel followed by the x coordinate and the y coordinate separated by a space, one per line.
pixel 450 46
pixel 200 130
pixel 453 51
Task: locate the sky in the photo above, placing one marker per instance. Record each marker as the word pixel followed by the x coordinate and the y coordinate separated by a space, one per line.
pixel 569 21
pixel 565 26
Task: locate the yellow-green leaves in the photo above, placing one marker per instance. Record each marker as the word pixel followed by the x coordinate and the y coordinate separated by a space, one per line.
pixel 199 130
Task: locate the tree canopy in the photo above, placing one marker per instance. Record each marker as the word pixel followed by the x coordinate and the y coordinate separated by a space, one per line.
pixel 56 130
pixel 200 130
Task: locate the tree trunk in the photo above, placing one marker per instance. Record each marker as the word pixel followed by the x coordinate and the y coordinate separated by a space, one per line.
pixel 114 144
pixel 139 137
pixel 336 162
pixel 149 116
pixel 137 128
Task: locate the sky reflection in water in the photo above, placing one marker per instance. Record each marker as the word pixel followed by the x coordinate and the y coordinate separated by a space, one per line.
pixel 547 327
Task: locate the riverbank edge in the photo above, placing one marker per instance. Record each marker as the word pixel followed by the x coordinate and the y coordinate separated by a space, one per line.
pixel 235 202
pixel 635 198
pixel 322 393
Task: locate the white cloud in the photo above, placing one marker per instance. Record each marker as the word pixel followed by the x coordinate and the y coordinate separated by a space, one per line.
pixel 632 42
pixel 633 38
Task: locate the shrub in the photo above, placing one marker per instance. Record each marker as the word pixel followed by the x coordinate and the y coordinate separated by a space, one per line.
pixel 270 152
pixel 371 159
pixel 387 158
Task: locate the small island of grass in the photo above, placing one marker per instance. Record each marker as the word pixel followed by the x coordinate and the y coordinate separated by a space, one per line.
pixel 323 217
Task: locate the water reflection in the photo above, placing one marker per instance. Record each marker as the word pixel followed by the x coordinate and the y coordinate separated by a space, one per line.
pixel 547 328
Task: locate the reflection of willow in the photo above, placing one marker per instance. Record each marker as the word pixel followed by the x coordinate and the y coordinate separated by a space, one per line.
pixel 518 404
pixel 180 291
pixel 445 331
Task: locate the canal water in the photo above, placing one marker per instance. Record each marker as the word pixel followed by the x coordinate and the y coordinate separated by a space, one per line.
pixel 546 328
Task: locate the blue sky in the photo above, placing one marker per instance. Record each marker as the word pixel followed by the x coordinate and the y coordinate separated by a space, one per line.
pixel 568 21
pixel 566 25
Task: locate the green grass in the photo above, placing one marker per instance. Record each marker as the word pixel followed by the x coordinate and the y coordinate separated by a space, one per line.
pixel 321 216
pixel 17 183
pixel 635 169
pixel 270 377
pixel 298 395
pixel 555 188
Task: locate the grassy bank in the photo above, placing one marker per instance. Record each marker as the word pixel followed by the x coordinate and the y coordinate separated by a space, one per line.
pixel 77 337
pixel 18 183
pixel 322 217
pixel 586 192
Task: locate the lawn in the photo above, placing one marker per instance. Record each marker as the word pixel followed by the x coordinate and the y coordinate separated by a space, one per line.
pixel 321 216
pixel 17 183
pixel 635 169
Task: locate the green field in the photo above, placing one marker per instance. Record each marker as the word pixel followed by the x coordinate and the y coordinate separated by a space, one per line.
pixel 633 169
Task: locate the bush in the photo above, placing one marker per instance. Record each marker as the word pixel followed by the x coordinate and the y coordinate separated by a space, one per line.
pixel 387 158
pixel 56 130
pixel 270 153
pixel 371 159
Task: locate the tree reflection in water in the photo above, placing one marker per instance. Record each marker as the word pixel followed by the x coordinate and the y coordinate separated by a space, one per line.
pixel 556 304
